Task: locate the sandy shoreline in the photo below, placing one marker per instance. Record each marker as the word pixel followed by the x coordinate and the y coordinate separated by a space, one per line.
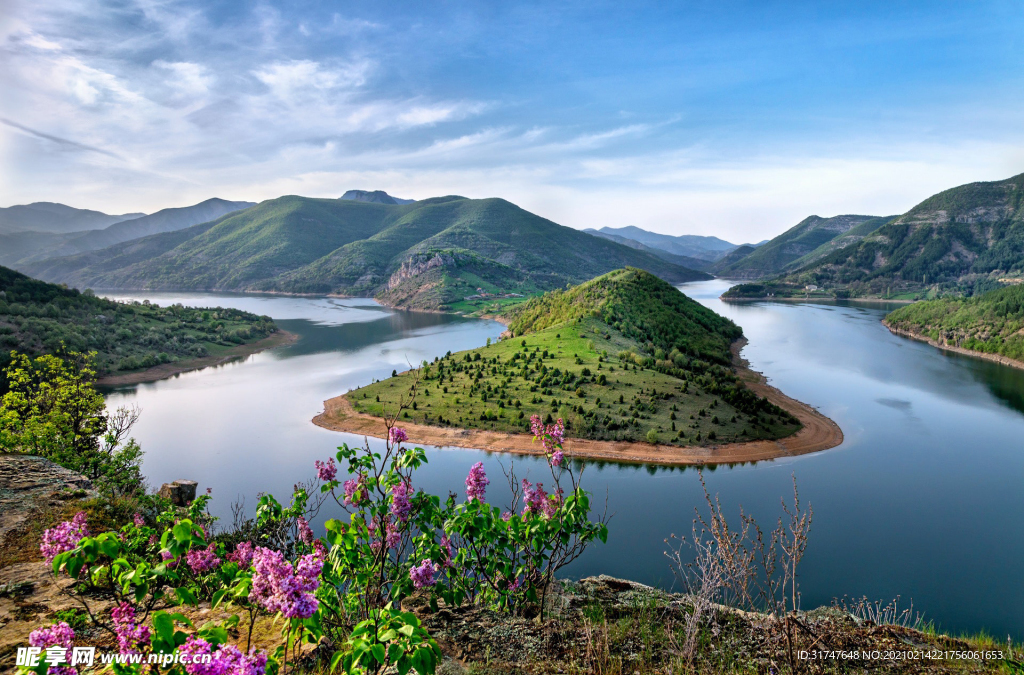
pixel 279 337
pixel 996 358
pixel 818 433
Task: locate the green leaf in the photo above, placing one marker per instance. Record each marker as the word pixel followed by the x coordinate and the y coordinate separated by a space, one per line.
pixel 378 653
pixel 163 624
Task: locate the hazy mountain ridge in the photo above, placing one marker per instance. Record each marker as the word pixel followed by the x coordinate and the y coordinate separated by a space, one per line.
pixel 23 248
pixel 689 245
pixel 305 245
pixel 55 218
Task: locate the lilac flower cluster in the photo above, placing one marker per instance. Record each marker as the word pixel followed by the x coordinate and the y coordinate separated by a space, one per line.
pixel 305 532
pixel 476 483
pixel 226 660
pixel 242 555
pixel 64 537
pixel 139 520
pixel 423 574
pixel 538 501
pixel 130 634
pixel 277 586
pixel 355 491
pixel 201 560
pixel 397 435
pixel 551 436
pixel 400 504
pixel 55 635
pixel 326 471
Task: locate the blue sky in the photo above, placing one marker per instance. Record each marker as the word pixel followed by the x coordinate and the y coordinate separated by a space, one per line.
pixel 729 118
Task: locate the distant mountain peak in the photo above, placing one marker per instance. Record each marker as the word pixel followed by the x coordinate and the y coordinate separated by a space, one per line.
pixel 374 196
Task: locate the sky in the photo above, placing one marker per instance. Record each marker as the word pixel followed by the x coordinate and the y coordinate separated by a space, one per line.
pixel 734 119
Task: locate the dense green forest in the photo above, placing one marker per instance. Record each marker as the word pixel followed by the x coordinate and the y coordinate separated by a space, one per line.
pixel 429 254
pixel 41 318
pixel 625 356
pixel 990 323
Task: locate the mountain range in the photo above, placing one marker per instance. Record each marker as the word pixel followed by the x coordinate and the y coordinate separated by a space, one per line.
pixel 963 240
pixel 797 243
pixel 55 218
pixel 21 248
pixel 424 254
pixel 688 245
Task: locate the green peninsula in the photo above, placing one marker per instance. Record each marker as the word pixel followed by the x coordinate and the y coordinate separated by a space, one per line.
pixel 623 357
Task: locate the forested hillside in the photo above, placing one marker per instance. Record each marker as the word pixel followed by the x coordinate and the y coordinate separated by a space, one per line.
pixel 38 318
pixel 990 323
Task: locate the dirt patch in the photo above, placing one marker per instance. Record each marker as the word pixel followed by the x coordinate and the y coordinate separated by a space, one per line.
pixel 818 433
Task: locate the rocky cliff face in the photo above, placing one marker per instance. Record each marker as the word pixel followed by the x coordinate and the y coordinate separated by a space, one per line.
pixel 418 264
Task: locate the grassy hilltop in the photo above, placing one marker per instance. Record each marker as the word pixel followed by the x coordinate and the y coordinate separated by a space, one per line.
pixel 39 318
pixel 430 254
pixel 624 356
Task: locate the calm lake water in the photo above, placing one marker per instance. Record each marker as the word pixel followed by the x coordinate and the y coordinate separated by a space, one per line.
pixel 924 499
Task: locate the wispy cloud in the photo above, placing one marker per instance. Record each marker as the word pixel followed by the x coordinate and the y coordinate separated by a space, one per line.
pixel 730 122
pixel 62 143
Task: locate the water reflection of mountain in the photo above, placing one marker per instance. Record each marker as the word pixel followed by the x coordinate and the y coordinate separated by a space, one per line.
pixel 317 338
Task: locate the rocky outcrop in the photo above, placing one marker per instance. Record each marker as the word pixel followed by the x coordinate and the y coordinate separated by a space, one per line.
pixel 418 264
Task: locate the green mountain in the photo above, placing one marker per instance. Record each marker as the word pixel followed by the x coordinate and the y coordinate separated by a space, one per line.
pixel 960 241
pixel 625 356
pixel 427 254
pixel 990 323
pixel 22 248
pixel 781 252
pixel 37 318
pixel 55 218
pixel 731 258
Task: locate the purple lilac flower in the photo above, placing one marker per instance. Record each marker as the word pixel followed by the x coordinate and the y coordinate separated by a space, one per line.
pixel 392 535
pixel 400 504
pixel 55 635
pixel 551 436
pixel 242 555
pixel 326 471
pixel 202 560
pixel 130 635
pixel 305 532
pixel 397 435
pixel 139 520
pixel 64 537
pixel 534 496
pixel 279 587
pixel 476 483
pixel 355 490
pixel 446 546
pixel 171 561
pixel 423 574
pixel 507 516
